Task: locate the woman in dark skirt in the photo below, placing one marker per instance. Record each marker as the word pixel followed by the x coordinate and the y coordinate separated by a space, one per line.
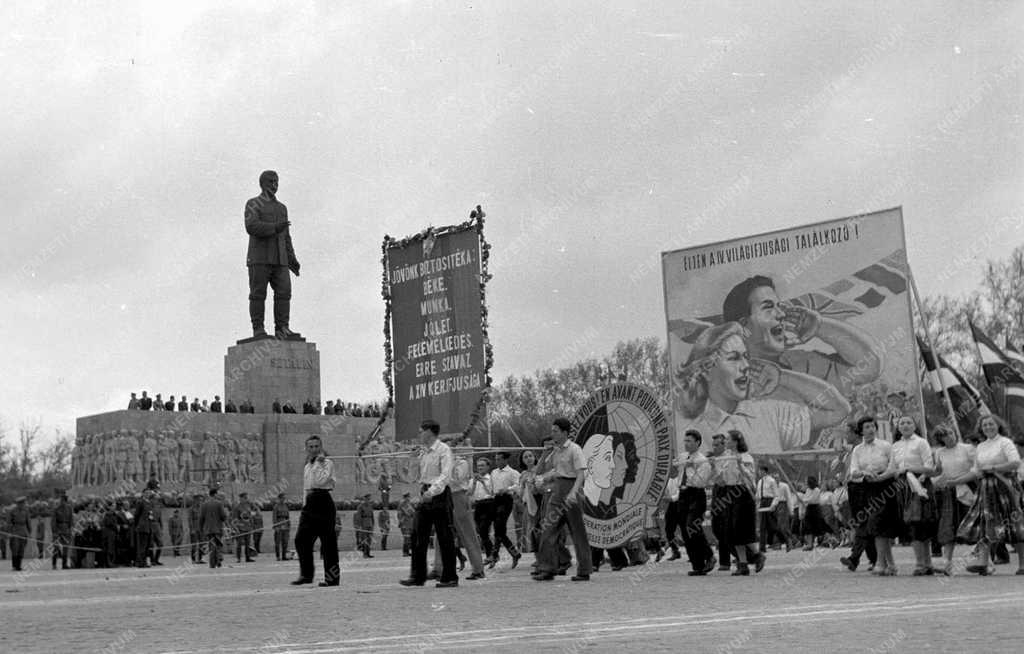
pixel 913 466
pixel 735 473
pixel 997 515
pixel 953 464
pixel 814 524
pixel 870 468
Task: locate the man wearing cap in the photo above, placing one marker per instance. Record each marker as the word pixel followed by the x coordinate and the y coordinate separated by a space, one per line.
pixel 241 524
pixel 282 523
pixel 362 522
pixel 434 510
pixel 318 516
pixel 565 479
pixel 17 527
pixel 270 256
pixel 145 526
pixel 406 513
pixel 60 525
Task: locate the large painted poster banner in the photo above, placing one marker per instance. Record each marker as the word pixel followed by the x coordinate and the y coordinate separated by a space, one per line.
pixel 788 336
pixel 438 352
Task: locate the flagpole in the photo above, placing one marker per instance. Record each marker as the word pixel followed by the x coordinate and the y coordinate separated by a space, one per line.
pixel 935 356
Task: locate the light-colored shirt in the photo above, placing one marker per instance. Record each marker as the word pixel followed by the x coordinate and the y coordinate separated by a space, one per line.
pixel 955 461
pixel 735 469
pixel 994 452
pixel 567 460
pixel 871 458
pixel 436 468
pixel 766 487
pixel 462 475
pixel 504 480
pixel 912 452
pixel 694 470
pixel 770 426
pixel 480 488
pixel 318 475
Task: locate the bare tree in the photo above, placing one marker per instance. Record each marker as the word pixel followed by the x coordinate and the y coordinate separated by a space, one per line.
pixel 55 460
pixel 26 457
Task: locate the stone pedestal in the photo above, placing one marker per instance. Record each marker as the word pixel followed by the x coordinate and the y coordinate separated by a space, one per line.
pixel 265 369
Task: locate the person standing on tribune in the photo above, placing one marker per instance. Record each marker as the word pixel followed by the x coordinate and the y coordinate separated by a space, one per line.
pixel 434 510
pixel 270 256
pixel 317 517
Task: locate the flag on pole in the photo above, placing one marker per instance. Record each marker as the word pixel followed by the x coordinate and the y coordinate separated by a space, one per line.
pixel 1003 378
pixel 1016 358
pixel 967 403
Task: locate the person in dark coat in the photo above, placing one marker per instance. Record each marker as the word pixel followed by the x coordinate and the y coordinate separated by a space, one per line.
pixel 17 527
pixel 60 525
pixel 145 526
pixel 211 524
pixel 362 521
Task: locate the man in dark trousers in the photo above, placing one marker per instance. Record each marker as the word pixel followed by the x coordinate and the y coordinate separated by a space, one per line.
pixel 257 528
pixel 434 510
pixel 211 524
pixel 406 514
pixel 175 527
pixel 282 527
pixel 384 524
pixel 195 533
pixel 270 256
pixel 145 524
pixel 362 522
pixel 60 525
pixel 241 525
pixel 695 477
pixel 17 527
pixel 317 518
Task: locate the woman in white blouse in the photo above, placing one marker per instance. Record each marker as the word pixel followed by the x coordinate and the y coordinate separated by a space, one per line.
pixel 996 514
pixel 914 465
pixel 953 464
pixel 735 472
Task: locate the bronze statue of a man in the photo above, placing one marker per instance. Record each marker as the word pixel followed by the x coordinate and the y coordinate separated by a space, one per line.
pixel 270 256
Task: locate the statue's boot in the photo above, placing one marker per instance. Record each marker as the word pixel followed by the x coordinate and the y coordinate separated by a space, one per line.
pixel 256 311
pixel 282 311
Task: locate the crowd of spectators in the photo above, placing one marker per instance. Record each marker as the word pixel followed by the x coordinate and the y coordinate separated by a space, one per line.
pixel 310 406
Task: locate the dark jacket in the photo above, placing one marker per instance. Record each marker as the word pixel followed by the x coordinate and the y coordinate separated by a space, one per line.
pixel 212 517
pixel 267 245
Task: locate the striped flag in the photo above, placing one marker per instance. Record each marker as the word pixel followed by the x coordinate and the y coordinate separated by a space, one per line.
pixel 1003 378
pixel 1016 358
pixel 967 403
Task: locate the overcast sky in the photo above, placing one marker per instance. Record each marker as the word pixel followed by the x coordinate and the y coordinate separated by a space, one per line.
pixel 594 137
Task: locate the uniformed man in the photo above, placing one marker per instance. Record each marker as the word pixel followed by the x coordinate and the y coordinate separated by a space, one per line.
pixel 175 527
pixel 282 528
pixel 257 528
pixel 211 524
pixel 145 525
pixel 41 538
pixel 108 535
pixel 384 524
pixel 60 525
pixel 195 534
pixel 241 524
pixel 362 521
pixel 17 527
pixel 406 512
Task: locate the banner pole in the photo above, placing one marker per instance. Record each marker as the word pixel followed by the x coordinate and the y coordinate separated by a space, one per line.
pixel 935 357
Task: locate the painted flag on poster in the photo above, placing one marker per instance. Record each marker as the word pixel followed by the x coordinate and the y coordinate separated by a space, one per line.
pixel 967 403
pixel 1003 378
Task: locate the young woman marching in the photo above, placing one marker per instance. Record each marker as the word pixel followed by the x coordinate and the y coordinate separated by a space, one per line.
pixel 953 464
pixel 913 467
pixel 735 472
pixel 996 514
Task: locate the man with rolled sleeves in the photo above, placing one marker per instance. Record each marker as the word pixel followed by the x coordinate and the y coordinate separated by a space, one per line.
pixel 281 517
pixel 694 478
pixel 317 518
pixel 434 510
pixel 270 256
pixel 18 528
pixel 60 525
pixel 565 479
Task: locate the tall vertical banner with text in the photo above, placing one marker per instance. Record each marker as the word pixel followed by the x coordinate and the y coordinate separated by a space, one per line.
pixel 438 329
pixel 789 336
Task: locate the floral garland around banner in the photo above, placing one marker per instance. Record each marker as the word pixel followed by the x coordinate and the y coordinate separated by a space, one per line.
pixel 476 222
